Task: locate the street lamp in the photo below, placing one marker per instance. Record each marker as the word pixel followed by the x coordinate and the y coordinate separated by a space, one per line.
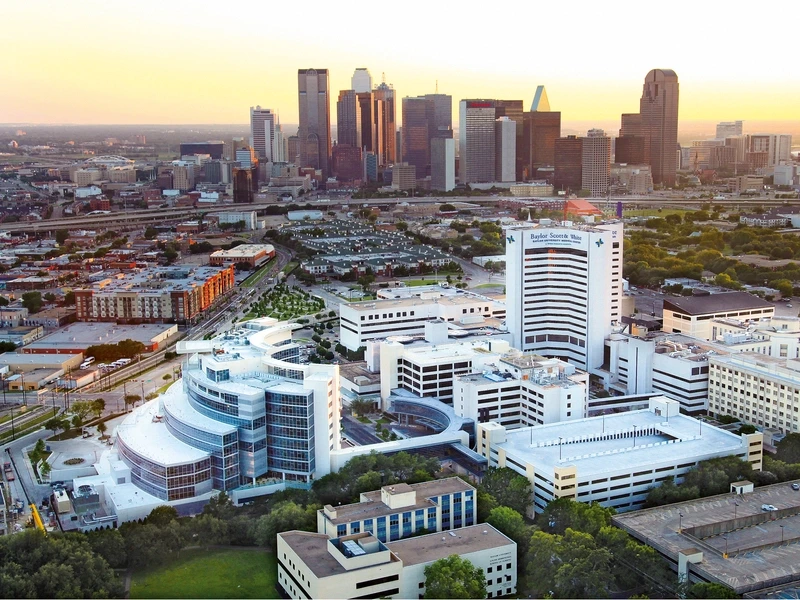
pixel 725 537
pixel 781 526
pixel 560 439
pixel 735 505
pixel 680 522
pixel 634 435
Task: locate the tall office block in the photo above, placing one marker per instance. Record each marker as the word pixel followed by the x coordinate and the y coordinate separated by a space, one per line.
pixel 246 157
pixel 729 129
pixel 278 144
pixel 476 141
pixel 513 109
pixel 564 289
pixel 505 149
pixel 658 108
pixel 385 124
pixel 262 127
pixel 540 132
pixel 293 149
pixel 777 147
pixel 443 164
pixel 348 119
pixel 366 110
pixel 361 81
pixel 346 162
pixel 440 115
pixel 245 183
pixel 416 143
pixel 370 167
pixel 631 124
pixel 314 133
pixel 596 162
pixel 568 165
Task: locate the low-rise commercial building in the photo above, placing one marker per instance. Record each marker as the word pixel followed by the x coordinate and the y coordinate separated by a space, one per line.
pixel 693 315
pixel 613 459
pixel 310 565
pixel 401 510
pixel 254 255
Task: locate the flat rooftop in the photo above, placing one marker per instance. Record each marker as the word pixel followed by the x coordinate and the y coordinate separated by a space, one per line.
pixel 55 360
pixel 312 548
pixel 411 302
pixel 464 540
pixel 83 335
pixel 757 556
pixel 373 507
pixel 716 303
pixel 244 251
pixel 149 437
pixel 595 445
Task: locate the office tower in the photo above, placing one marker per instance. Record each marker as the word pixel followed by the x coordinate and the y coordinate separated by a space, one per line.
pixel 246 157
pixel 505 149
pixel 278 144
pixel 361 81
pixel 346 162
pixel 214 148
pixel 568 165
pixel 348 119
pixel 213 171
pixel 476 141
pixel 314 132
pixel 440 115
pixel 443 164
pixel 513 109
pixel 370 167
pixel 596 162
pixel 416 142
pixel 183 175
pixel 366 110
pixel 541 129
pixel 777 147
pixel 658 108
pixel 262 127
pixel 385 123
pixel 629 149
pixel 564 289
pixel 230 147
pixel 245 184
pixel 631 125
pixel 729 129
pixel 293 149
pixel 404 177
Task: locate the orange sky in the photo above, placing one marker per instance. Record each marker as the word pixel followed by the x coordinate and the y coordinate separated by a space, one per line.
pixel 170 62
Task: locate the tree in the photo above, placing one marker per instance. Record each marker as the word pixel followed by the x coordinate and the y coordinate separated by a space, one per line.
pixel 711 590
pixel 511 523
pixel 57 423
pixel 788 449
pixel 361 406
pixel 585 568
pixel 98 406
pixel 32 301
pixel 69 298
pixel 208 530
pixel 454 577
pixel 82 409
pixel 447 208
pixel 132 399
pixel 109 544
pixel 220 506
pixel 101 429
pixel 508 488
pixel 61 236
pixel 161 516
pixel 7 346
pixel 3 301
pixel 150 233
pixel 285 516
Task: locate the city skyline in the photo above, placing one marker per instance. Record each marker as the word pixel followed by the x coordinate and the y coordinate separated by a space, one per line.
pixel 217 86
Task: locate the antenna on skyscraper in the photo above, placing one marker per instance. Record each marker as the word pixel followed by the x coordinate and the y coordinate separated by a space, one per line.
pixel 437 86
pixel 383 77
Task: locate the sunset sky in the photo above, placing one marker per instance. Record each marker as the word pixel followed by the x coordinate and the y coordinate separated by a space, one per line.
pixel 202 62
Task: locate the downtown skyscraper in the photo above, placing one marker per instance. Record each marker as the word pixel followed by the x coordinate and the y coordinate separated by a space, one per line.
pixel 425 118
pixel 314 132
pixel 658 108
pixel 262 128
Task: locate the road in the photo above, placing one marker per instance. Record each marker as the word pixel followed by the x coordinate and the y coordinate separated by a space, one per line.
pixel 357 432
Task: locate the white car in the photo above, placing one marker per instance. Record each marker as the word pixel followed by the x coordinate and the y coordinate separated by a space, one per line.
pixel 768 507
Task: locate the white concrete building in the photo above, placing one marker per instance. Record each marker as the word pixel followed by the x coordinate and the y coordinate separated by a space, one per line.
pixel 310 565
pixel 401 510
pixel 564 289
pixel 761 390
pixel 612 459
pixel 693 315
pixel 505 153
pixel 379 319
pixel 443 164
pixel 523 390
pixel 249 217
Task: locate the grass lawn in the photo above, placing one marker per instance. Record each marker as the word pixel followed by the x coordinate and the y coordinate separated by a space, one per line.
pixel 219 573
pixel 257 276
pixel 489 285
pixel 654 212
pixel 290 266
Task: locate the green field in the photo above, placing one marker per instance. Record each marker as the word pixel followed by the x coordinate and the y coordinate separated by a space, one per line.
pixel 654 212
pixel 218 573
pixel 257 276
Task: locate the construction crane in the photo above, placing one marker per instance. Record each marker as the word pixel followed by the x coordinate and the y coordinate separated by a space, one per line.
pixel 37 519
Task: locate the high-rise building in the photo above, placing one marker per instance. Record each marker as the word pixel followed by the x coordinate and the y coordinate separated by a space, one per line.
pixel 440 115
pixel 629 149
pixel 370 167
pixel 658 108
pixel 776 146
pixel 293 149
pixel 348 119
pixel 416 142
pixel 476 141
pixel 513 109
pixel 541 129
pixel 230 147
pixel 262 127
pixel 213 148
pixel 729 129
pixel 564 289
pixel 568 165
pixel 596 162
pixel 278 144
pixel 245 183
pixel 505 149
pixel 183 175
pixel 443 164
pixel 386 123
pixel 366 109
pixel 314 132
pixel 404 176
pixel 246 157
pixel 361 81
pixel 631 124
pixel 346 162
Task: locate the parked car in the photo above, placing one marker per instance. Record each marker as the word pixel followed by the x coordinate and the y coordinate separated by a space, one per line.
pixel 796 486
pixel 768 507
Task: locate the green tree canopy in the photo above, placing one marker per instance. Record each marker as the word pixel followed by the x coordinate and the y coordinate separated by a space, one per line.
pixel 454 577
pixel 508 488
pixel 32 301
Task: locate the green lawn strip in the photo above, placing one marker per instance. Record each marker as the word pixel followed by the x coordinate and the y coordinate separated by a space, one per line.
pixel 290 266
pixel 257 276
pixel 17 414
pixel 217 573
pixel 28 426
pixel 489 285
